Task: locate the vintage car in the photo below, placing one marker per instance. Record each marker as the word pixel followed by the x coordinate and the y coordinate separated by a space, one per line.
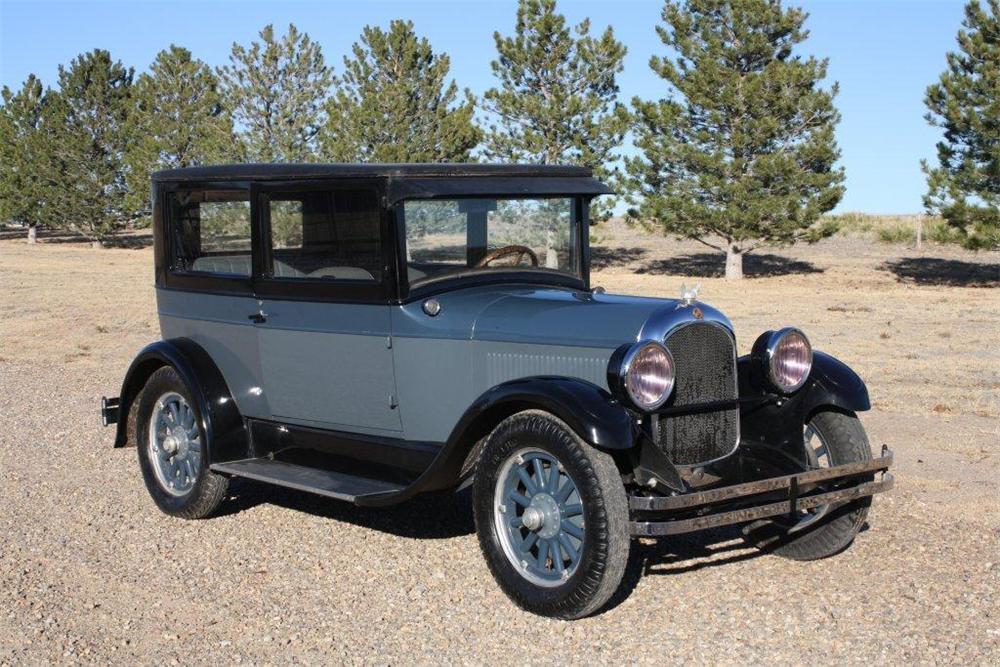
pixel 374 332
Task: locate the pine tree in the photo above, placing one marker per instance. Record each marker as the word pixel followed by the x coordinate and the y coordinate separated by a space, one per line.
pixel 557 96
pixel 177 120
pixel 964 188
pixel 741 152
pixel 393 103
pixel 21 194
pixel 276 91
pixel 83 145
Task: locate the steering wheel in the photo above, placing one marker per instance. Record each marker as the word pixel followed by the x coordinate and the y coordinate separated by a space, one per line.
pixel 505 251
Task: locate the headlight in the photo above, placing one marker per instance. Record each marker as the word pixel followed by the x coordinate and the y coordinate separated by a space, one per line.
pixel 787 358
pixel 643 374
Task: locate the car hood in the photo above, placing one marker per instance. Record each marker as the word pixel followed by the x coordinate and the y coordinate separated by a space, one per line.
pixel 579 318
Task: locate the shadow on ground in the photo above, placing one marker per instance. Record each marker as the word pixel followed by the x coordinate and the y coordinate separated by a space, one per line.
pixel 943 272
pixel 426 517
pixel 713 265
pixel 603 257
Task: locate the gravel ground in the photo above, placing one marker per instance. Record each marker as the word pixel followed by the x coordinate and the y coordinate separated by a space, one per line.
pixel 91 572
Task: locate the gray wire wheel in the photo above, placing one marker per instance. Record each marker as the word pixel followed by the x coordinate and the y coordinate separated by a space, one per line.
pixel 831 438
pixel 551 515
pixel 173 449
pixel 539 517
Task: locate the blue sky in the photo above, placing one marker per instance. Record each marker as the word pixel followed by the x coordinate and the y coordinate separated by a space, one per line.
pixel 883 53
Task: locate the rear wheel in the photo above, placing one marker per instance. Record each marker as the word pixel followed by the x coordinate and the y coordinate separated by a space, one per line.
pixel 552 517
pixel 830 438
pixel 172 449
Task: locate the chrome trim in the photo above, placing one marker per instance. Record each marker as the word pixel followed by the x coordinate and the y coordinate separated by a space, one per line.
pixel 773 339
pixel 621 374
pixel 663 321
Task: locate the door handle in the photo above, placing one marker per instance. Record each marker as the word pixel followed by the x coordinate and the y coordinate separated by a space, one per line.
pixel 257 318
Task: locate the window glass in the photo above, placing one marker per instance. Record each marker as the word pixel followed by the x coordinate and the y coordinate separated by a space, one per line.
pixel 326 235
pixel 447 237
pixel 211 231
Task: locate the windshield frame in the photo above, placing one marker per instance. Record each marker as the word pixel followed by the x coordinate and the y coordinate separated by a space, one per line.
pixel 513 276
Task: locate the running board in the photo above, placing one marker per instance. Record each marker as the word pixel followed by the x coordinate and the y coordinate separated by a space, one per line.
pixel 341 486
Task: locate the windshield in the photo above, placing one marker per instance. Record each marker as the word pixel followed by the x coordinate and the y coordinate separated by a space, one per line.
pixel 449 237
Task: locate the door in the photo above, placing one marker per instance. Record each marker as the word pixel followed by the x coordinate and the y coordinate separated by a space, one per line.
pixel 324 333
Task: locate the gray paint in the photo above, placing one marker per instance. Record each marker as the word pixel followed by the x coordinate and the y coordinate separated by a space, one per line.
pixel 335 366
pixel 329 364
pixel 219 324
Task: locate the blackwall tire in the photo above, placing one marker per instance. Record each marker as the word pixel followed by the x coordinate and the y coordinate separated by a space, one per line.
pixel 198 498
pixel 600 533
pixel 847 442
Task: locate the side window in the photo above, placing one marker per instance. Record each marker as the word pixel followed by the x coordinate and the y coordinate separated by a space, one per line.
pixel 210 231
pixel 325 235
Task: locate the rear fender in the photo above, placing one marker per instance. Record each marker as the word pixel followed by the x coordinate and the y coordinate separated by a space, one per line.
pixel 226 436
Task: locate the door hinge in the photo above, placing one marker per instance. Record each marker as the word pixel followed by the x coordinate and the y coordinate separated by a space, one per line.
pixel 392 402
pixel 388 342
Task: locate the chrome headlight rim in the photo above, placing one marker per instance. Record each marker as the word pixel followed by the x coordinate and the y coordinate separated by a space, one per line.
pixel 773 341
pixel 623 362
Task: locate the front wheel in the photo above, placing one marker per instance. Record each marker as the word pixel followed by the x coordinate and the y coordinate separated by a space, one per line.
pixel 830 439
pixel 552 517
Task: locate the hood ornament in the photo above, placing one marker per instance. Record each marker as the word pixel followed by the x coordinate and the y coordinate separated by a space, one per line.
pixel 689 294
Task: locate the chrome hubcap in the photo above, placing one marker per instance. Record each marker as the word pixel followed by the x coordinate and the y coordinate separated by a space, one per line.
pixel 175 444
pixel 539 517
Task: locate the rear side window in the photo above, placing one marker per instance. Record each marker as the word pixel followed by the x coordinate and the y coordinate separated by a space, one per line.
pixel 210 231
pixel 325 235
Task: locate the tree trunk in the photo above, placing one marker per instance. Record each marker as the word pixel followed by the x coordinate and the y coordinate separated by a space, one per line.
pixel 32 233
pixel 97 244
pixel 551 252
pixel 734 262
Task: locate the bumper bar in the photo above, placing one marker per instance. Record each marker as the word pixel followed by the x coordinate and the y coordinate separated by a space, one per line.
pixel 109 410
pixel 796 485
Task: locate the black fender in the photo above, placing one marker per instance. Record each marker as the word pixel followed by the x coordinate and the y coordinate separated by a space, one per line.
pixel 226 436
pixel 771 424
pixel 592 412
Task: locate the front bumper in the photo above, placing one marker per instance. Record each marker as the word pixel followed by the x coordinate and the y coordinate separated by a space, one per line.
pixel 772 497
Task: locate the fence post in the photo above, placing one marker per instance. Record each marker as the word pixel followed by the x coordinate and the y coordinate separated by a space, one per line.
pixel 920 231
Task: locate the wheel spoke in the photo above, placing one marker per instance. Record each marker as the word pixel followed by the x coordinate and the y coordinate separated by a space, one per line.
pixel 572 529
pixel 568 547
pixel 521 500
pixel 553 484
pixel 565 492
pixel 529 542
pixel 539 477
pixel 529 484
pixel 543 552
pixel 557 559
pixel 572 510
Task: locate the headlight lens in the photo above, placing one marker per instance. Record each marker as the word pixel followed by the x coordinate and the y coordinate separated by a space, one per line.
pixel 789 359
pixel 647 374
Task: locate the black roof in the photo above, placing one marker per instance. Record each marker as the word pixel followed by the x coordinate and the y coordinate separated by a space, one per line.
pixel 268 171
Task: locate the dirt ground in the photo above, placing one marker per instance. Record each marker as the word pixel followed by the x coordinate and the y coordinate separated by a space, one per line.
pixel 90 571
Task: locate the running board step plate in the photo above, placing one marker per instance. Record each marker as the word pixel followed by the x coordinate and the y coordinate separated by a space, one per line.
pixel 337 485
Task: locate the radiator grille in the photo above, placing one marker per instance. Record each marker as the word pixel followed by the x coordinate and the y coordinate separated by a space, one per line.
pixel 705 359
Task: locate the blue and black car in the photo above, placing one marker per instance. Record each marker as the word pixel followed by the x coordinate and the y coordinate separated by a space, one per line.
pixel 374 332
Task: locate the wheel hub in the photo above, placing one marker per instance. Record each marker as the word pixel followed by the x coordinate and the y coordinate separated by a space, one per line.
pixel 542 516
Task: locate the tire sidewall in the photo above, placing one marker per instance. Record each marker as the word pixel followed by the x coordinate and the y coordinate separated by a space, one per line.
pixel 559 441
pixel 162 381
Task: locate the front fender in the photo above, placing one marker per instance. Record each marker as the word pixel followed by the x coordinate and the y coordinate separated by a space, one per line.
pixel 221 421
pixel 586 408
pixel 773 424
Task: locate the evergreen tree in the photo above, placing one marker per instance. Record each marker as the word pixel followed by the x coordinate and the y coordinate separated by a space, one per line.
pixel 177 120
pixel 276 91
pixel 965 186
pixel 21 193
pixel 83 147
pixel 557 96
pixel 393 103
pixel 742 149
